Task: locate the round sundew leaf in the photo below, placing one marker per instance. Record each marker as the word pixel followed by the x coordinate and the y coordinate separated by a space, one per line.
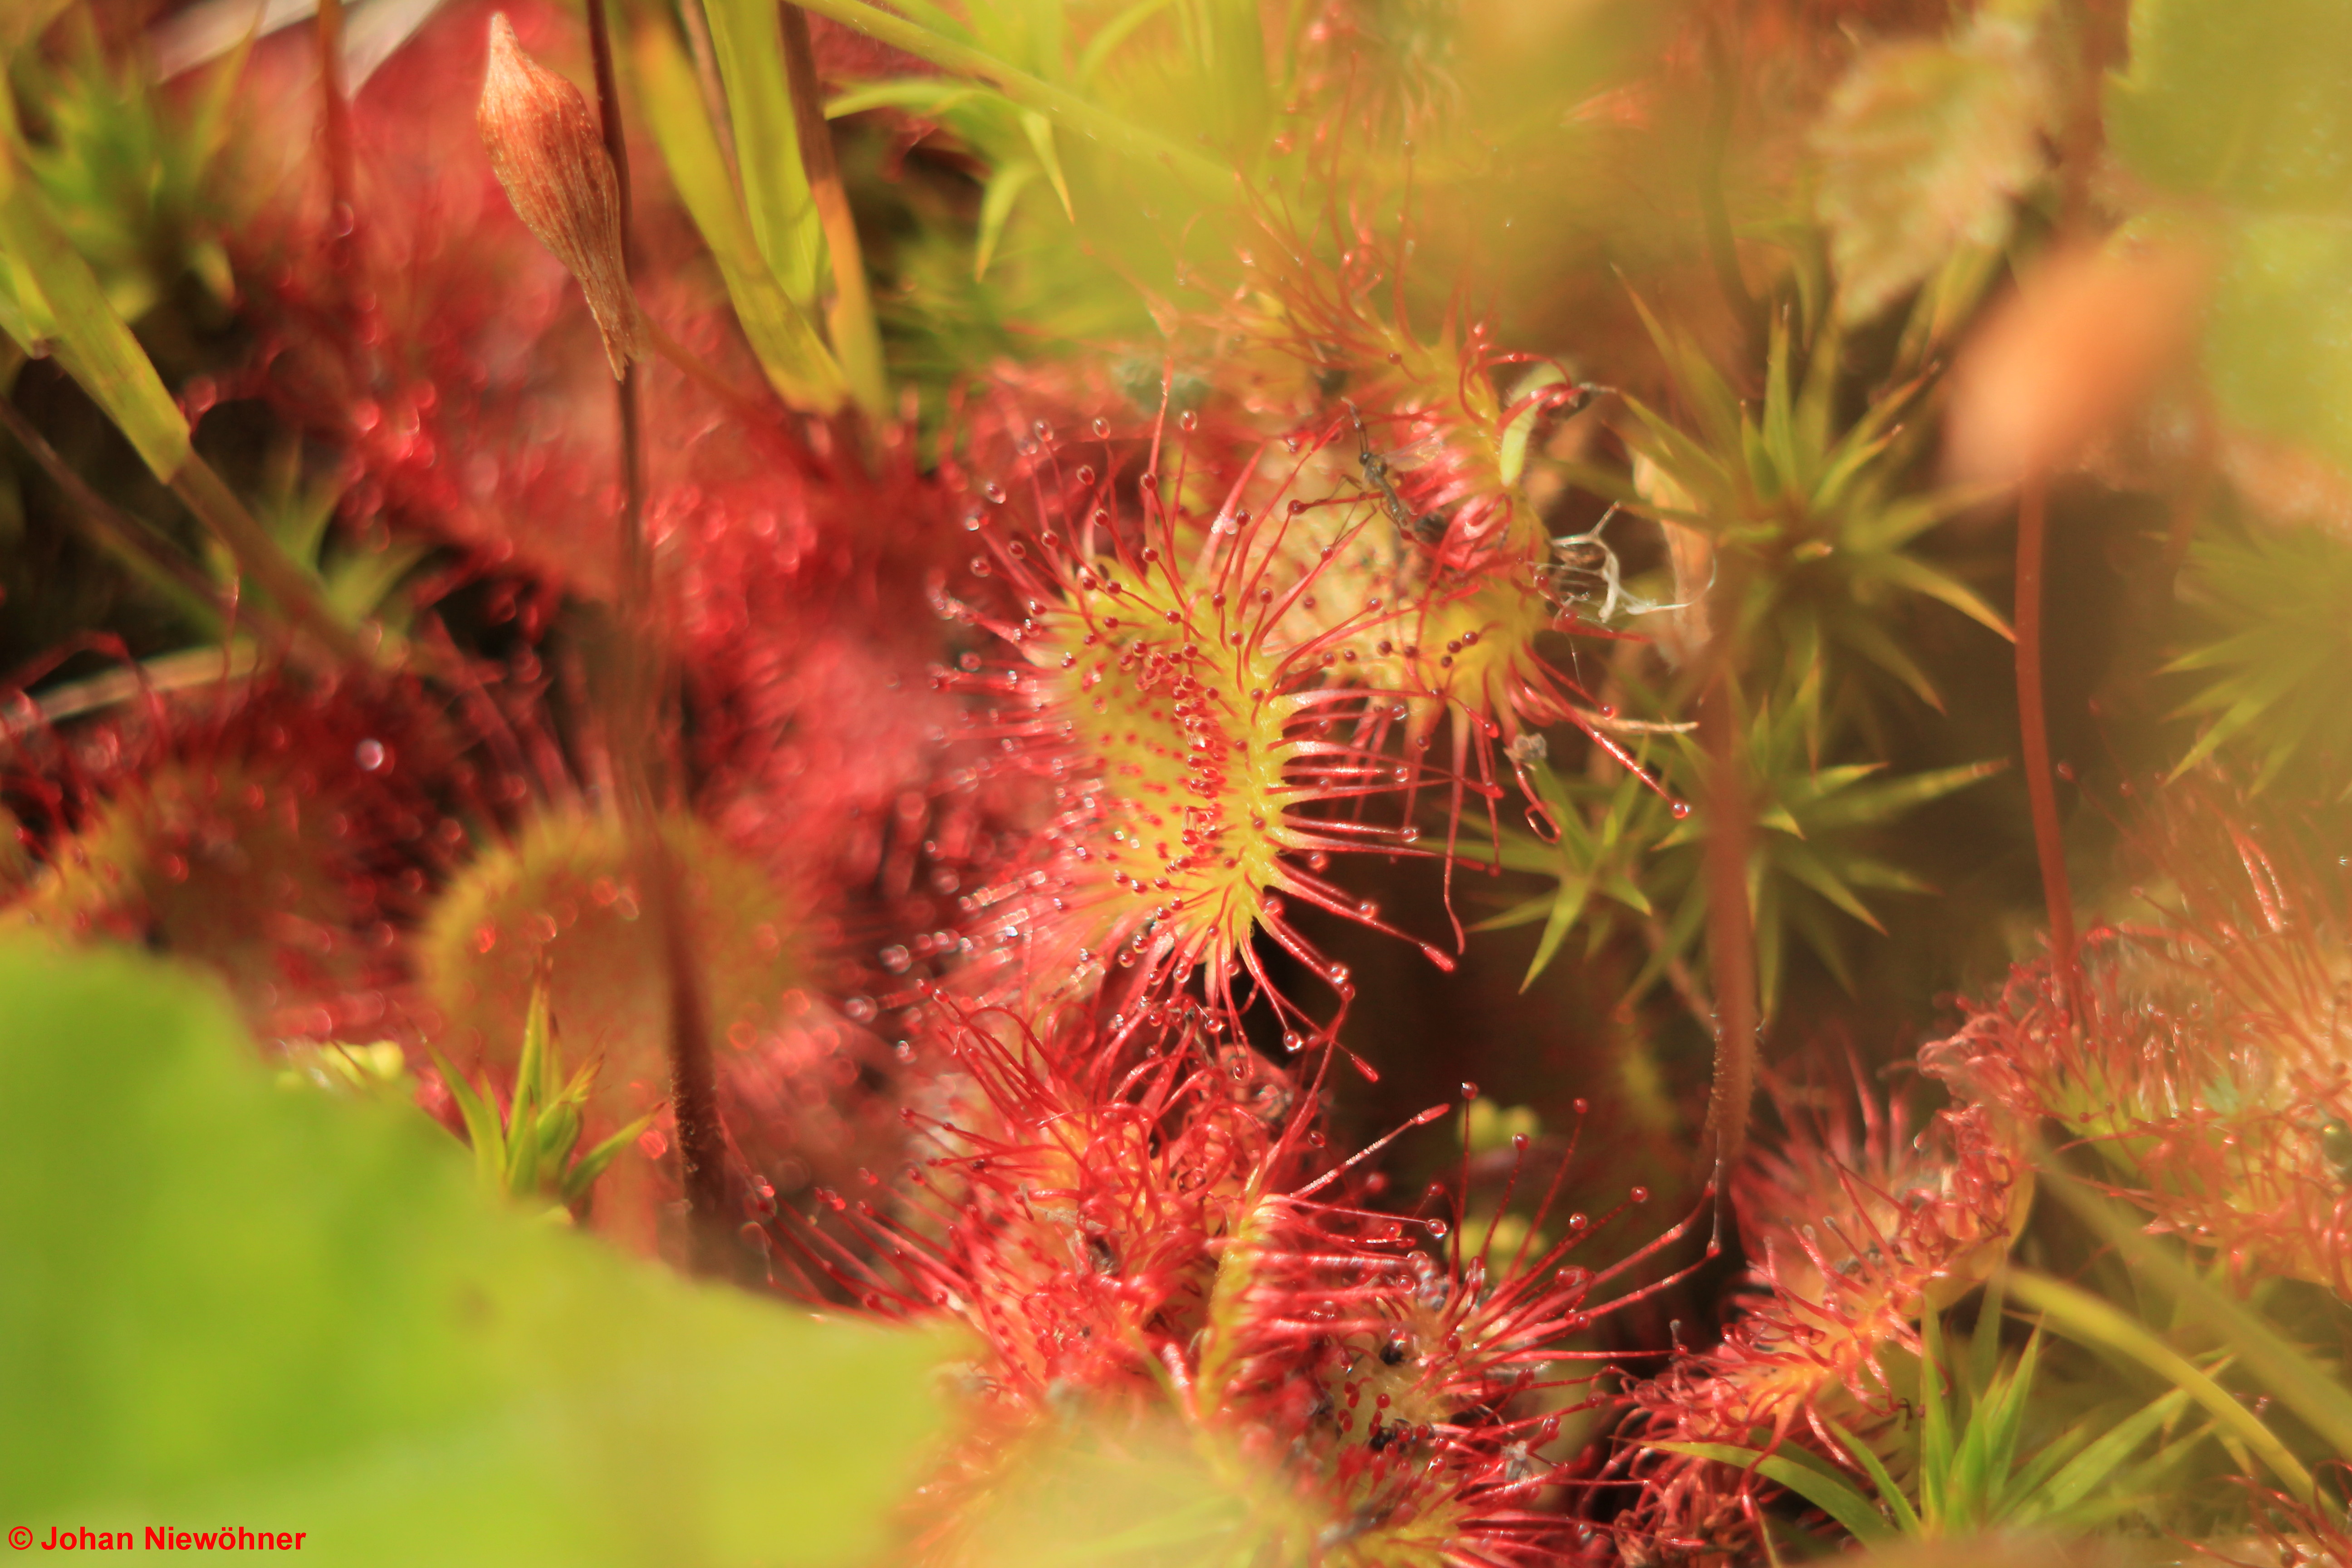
pixel 566 893
pixel 2278 349
pixel 2244 102
pixel 227 1303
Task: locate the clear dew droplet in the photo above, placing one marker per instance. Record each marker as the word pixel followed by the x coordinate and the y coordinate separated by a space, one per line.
pixel 1101 428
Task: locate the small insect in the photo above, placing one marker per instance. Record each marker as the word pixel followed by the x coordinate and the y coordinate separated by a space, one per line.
pixel 1379 472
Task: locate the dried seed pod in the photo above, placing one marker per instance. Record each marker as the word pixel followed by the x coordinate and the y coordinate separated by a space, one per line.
pixel 547 153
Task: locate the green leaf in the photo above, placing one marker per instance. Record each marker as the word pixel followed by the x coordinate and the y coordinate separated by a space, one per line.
pixel 1040 132
pixel 996 203
pixel 484 1129
pixel 783 336
pixel 2086 1320
pixel 2243 101
pixel 92 341
pixel 2095 1464
pixel 1935 1421
pixel 1067 110
pixel 750 47
pixel 226 1303
pixel 1833 1497
pixel 2293 1378
pixel 1905 1520
pixel 591 1165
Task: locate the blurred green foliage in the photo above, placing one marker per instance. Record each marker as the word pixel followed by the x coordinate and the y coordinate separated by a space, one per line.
pixel 223 1303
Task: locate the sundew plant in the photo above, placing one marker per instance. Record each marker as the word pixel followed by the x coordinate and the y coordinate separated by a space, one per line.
pixel 1387 784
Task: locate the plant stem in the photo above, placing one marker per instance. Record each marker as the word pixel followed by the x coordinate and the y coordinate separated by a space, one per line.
pixel 706 77
pixel 857 341
pixel 129 541
pixel 335 133
pixel 1723 249
pixel 1730 923
pixel 641 680
pixel 2049 845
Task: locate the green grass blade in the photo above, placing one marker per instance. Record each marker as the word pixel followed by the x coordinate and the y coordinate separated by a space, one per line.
pixel 2297 1382
pixel 481 1121
pixel 92 341
pixel 1984 1346
pixel 783 336
pixel 591 1165
pixel 1833 1497
pixel 2086 1320
pixel 1861 1453
pixel 1935 1422
pixel 2003 1416
pixel 2102 1458
pixel 749 45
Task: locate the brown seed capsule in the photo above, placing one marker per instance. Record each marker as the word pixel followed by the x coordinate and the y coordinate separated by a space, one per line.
pixel 546 151
pixel 2084 340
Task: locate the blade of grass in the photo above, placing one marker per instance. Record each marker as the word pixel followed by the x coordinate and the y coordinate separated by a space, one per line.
pixel 782 337
pixel 857 337
pixel 2088 1321
pixel 1984 1345
pixel 1841 1502
pixel 482 1127
pixel 2297 1382
pixel 1861 1453
pixel 95 345
pixel 748 39
pixel 591 1165
pixel 2095 1462
pixel 1934 1422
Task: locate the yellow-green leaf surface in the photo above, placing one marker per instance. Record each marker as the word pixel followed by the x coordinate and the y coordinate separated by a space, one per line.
pixel 2237 110
pixel 223 1301
pixel 750 49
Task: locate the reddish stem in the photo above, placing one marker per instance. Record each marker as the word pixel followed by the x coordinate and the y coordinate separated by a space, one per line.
pixel 2049 845
pixel 335 137
pixel 643 678
pixel 1730 923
